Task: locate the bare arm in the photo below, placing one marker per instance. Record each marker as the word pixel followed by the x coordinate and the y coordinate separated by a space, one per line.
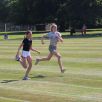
pixel 19 48
pixel 60 39
pixel 34 50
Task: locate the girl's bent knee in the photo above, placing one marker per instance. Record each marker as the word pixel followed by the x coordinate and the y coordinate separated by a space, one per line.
pixel 59 56
pixel 30 64
pixel 25 66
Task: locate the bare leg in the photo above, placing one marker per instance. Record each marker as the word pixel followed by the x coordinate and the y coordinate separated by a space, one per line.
pixel 23 62
pixel 29 59
pixel 44 59
pixel 59 61
pixel 84 32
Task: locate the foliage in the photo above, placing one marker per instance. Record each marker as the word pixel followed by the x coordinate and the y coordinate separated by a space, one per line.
pixel 64 12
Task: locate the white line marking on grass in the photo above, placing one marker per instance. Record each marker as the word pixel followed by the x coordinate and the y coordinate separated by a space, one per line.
pixel 72 96
pixel 47 83
pixel 13 99
pixel 51 92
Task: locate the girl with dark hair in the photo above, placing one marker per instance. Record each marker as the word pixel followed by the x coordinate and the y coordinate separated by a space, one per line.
pixel 26 60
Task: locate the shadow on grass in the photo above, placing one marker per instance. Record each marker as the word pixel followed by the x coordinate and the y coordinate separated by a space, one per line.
pixel 8 81
pixel 39 76
pixel 43 76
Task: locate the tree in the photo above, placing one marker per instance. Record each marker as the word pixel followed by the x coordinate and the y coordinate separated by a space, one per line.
pixel 33 11
pixel 4 11
pixel 82 11
pixel 63 12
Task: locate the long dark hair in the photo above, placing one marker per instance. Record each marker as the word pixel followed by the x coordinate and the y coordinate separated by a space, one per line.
pixel 29 31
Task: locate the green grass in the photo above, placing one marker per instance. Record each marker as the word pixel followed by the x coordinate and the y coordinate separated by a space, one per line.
pixel 39 33
pixel 82 81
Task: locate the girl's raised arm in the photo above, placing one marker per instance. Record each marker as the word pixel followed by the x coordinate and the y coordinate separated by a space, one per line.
pixel 34 50
pixel 60 37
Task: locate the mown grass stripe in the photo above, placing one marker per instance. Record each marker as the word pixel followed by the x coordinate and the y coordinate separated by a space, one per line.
pixel 5 99
pixel 80 83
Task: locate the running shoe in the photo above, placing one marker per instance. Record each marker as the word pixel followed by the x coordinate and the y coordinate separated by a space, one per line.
pixel 37 61
pixel 26 78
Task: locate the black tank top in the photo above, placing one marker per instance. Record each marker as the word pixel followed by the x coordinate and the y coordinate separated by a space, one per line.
pixel 27 44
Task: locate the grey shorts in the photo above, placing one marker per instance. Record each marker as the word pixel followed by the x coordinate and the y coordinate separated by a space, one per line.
pixel 52 48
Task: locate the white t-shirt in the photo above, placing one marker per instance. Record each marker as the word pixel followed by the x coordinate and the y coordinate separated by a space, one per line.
pixel 53 36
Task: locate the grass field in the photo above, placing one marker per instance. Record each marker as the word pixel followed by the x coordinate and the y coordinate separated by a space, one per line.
pixel 82 81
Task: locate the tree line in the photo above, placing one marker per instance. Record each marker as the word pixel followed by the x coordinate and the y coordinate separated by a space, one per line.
pixel 63 12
